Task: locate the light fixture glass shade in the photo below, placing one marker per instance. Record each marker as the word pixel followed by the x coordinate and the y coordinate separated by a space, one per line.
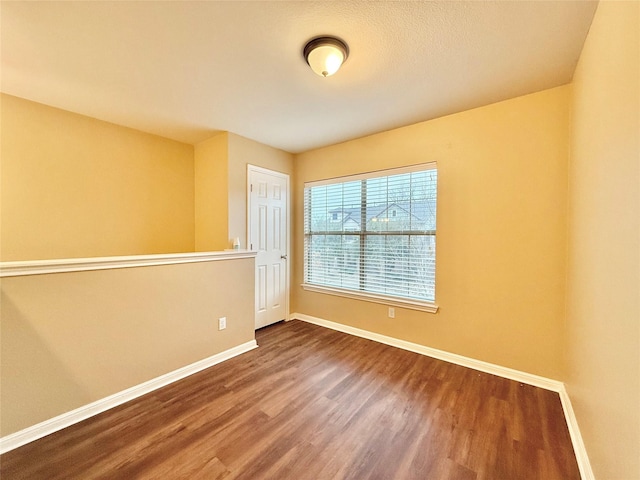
pixel 325 55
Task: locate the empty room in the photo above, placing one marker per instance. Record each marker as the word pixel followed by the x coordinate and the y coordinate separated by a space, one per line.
pixel 320 240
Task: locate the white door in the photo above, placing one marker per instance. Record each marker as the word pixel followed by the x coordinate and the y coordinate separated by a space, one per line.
pixel 268 233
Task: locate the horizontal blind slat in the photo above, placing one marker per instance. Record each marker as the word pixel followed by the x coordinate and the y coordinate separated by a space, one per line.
pixel 375 235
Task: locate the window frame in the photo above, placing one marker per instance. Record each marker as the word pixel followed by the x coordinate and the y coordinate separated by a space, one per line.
pixel 397 301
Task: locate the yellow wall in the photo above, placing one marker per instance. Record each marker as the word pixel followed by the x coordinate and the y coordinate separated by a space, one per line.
pixel 603 314
pixel 221 186
pixel 69 339
pixel 501 238
pixel 244 152
pixel 212 193
pixel 73 186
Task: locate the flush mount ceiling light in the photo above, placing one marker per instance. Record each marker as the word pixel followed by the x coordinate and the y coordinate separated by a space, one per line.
pixel 325 55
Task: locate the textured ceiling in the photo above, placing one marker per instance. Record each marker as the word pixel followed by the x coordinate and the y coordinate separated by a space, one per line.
pixel 186 70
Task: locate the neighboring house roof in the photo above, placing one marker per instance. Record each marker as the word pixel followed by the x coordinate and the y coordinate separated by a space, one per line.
pixel 420 211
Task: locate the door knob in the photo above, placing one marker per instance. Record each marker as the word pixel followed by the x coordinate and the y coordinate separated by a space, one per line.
pixel 284 257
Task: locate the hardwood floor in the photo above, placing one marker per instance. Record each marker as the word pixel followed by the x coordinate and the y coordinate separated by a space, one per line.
pixel 312 403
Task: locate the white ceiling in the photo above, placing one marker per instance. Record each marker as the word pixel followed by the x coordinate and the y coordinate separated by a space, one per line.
pixel 186 69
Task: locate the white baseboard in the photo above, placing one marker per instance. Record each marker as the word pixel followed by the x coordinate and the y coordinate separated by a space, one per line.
pixel 54 424
pixel 586 473
pixel 479 365
pixel 537 381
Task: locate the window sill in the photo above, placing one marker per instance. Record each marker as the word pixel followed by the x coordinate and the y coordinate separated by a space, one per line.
pixel 374 297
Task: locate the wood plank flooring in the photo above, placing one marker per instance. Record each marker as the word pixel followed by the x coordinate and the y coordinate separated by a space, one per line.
pixel 312 403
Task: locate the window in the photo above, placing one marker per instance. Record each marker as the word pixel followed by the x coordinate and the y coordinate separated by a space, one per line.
pixel 383 246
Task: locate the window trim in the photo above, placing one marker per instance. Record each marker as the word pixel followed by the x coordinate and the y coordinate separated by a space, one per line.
pixel 419 167
pixel 422 306
pixel 413 304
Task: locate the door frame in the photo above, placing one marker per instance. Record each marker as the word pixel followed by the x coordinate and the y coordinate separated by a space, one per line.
pixel 254 168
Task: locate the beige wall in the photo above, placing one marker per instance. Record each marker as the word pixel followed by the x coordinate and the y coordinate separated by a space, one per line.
pixel 603 314
pixel 502 179
pixel 69 339
pixel 212 193
pixel 73 186
pixel 243 152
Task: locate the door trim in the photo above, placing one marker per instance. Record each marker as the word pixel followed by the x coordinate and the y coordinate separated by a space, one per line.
pixel 285 176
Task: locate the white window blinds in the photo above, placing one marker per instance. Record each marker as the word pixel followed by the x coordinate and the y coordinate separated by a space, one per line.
pixel 373 233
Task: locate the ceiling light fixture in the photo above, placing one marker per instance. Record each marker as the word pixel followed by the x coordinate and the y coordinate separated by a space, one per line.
pixel 325 55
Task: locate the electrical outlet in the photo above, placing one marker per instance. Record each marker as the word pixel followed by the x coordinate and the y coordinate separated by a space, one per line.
pixel 222 323
pixel 392 312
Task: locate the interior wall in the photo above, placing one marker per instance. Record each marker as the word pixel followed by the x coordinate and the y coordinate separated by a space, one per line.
pixel 73 186
pixel 501 231
pixel 244 152
pixel 603 314
pixel 69 339
pixel 211 159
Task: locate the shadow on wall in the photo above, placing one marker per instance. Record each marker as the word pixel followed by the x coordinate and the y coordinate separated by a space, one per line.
pixel 18 340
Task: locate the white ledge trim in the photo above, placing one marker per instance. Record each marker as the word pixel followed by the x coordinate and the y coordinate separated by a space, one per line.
pixel 39 267
pixel 373 297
